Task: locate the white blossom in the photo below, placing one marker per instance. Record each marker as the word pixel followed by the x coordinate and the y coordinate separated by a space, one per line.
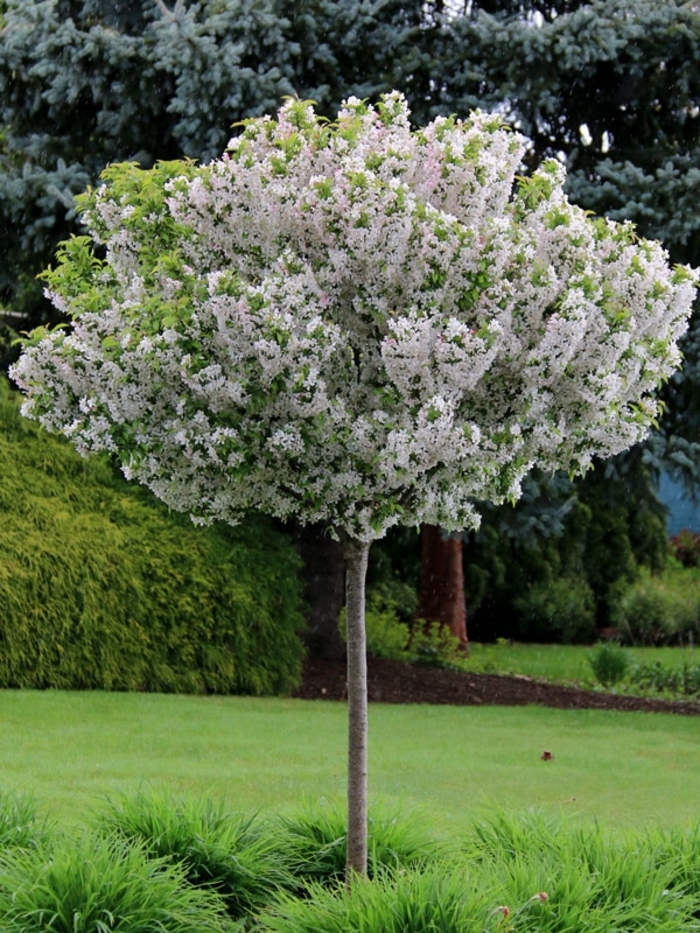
pixel 356 324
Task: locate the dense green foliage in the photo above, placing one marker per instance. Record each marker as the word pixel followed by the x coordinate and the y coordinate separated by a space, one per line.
pixel 551 568
pixel 101 587
pixel 217 850
pixel 609 663
pixel 659 609
pixel 90 885
pixel 506 872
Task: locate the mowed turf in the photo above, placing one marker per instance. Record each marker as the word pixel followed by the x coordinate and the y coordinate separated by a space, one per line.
pixel 625 770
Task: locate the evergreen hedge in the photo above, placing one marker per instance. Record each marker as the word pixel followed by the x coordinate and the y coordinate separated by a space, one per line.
pixel 102 588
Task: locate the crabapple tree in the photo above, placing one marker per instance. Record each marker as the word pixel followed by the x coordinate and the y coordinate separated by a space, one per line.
pixel 355 324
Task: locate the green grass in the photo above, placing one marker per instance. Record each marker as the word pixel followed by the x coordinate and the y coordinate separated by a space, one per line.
pixel 626 770
pixel 562 663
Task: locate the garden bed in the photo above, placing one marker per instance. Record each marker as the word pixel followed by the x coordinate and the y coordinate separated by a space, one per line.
pixel 401 682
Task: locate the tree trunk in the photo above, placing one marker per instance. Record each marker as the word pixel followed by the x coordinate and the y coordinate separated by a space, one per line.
pixel 356 553
pixel 441 593
pixel 324 590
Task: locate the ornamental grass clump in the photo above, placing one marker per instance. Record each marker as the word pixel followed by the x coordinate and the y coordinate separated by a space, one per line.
pixel 355 324
pixel 21 824
pixel 313 844
pixel 437 899
pixel 92 885
pixel 679 848
pixel 593 881
pixel 227 853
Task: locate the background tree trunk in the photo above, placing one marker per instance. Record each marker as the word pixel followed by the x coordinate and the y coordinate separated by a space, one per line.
pixel 441 592
pixel 324 590
pixel 356 553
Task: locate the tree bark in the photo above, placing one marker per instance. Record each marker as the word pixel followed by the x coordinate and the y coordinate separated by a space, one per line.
pixel 441 593
pixel 324 590
pixel 356 553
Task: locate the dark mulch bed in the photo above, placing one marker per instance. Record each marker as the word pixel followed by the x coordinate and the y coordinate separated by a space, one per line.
pixel 398 682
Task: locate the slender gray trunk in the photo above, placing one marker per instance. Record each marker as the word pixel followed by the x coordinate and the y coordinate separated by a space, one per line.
pixel 356 553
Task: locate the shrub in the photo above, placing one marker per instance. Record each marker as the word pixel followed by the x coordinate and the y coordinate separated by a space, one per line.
pixel 89 885
pixel 218 850
pixel 609 663
pixel 387 635
pixel 434 644
pixel 557 610
pixel 685 547
pixel 102 588
pixel 661 608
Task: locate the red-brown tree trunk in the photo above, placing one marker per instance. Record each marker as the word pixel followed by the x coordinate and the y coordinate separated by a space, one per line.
pixel 441 593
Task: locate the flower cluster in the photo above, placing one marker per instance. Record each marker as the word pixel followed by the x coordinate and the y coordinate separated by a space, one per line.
pixel 353 323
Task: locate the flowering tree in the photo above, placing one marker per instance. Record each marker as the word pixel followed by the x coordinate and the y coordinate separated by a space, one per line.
pixel 354 324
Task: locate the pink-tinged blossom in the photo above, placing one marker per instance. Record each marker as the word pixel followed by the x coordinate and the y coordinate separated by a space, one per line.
pixel 353 323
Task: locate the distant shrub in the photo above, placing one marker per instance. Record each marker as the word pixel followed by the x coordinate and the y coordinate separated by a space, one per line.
pixel 435 645
pixel 102 588
pixel 420 643
pixel 685 547
pixel 557 610
pixel 386 634
pixel 609 663
pixel 659 608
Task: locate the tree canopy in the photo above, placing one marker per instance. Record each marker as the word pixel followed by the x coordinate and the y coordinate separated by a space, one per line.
pixel 338 318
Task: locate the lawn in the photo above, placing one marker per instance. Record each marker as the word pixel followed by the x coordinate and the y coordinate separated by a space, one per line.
pixel 625 770
pixel 564 663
